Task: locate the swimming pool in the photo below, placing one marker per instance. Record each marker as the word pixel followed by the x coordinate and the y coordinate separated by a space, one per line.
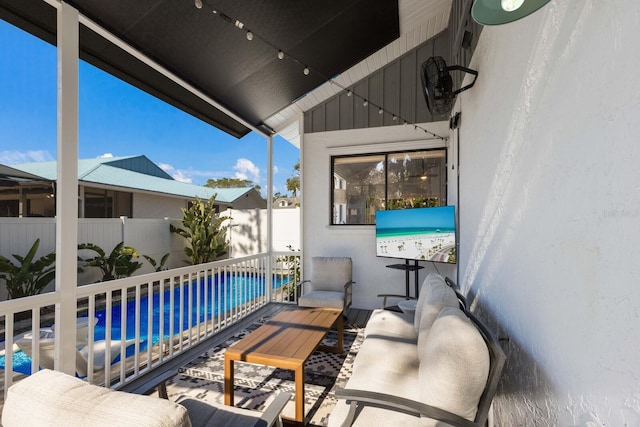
pixel 201 300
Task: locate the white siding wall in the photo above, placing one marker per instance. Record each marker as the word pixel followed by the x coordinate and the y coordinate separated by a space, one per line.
pixel 157 207
pixel 550 210
pixel 357 242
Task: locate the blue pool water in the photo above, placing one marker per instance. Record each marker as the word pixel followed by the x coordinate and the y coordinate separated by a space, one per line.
pixel 223 293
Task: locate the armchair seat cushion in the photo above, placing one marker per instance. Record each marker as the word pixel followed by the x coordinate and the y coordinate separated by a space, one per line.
pixel 324 299
pixel 203 414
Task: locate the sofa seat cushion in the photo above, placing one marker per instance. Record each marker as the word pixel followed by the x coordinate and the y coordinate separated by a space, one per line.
pixel 325 299
pixel 391 324
pixel 55 399
pixel 454 365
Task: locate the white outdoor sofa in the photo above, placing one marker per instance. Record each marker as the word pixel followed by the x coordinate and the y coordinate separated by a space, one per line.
pixel 439 366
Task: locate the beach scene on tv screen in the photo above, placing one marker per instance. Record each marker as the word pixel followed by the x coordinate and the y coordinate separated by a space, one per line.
pixel 426 234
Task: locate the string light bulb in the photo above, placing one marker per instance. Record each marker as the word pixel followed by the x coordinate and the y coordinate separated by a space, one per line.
pixel 306 70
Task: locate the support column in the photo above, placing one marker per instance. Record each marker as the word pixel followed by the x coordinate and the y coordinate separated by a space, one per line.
pixel 270 259
pixel 67 189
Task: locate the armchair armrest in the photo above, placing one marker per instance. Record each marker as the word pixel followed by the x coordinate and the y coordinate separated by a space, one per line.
pixel 348 293
pixel 385 296
pixel 399 404
pixel 301 285
pixel 271 415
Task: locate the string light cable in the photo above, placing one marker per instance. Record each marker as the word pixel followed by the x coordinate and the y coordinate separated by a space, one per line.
pixel 306 69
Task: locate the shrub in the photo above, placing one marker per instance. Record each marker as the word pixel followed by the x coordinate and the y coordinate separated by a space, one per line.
pixel 204 232
pixel 117 265
pixel 27 277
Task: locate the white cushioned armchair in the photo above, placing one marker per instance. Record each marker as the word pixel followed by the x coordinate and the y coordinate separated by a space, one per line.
pixel 52 398
pixel 330 285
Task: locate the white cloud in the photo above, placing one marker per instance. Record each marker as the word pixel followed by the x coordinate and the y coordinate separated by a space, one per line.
pixel 177 174
pixel 275 169
pixel 182 177
pixel 15 157
pixel 166 167
pixel 105 156
pixel 245 169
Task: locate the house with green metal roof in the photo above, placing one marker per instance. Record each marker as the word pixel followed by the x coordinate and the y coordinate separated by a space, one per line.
pixel 131 186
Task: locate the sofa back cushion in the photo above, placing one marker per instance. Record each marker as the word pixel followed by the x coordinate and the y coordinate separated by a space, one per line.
pixel 434 295
pixel 330 273
pixel 454 364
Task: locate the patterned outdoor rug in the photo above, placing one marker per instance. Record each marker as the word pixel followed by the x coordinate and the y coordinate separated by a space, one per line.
pixel 256 385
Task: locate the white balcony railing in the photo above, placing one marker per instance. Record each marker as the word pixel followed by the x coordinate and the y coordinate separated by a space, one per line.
pixel 150 318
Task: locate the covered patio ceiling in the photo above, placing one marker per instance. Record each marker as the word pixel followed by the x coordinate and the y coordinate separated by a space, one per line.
pixel 209 68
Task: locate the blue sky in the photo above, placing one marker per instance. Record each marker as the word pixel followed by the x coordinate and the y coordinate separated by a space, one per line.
pixel 117 119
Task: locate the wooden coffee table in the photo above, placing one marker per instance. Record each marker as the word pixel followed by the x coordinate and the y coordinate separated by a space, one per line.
pixel 285 341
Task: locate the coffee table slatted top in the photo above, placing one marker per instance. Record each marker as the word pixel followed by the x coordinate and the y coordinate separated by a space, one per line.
pixel 291 336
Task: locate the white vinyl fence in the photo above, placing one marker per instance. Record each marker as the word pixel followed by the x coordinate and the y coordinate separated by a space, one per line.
pixel 151 237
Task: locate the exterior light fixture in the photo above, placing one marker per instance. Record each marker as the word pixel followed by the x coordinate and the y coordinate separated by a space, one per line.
pixel 280 54
pixel 249 35
pixel 365 103
pixel 497 12
pixel 306 71
pixel 198 4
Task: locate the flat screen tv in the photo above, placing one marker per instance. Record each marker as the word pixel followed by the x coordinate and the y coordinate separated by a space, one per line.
pixel 423 234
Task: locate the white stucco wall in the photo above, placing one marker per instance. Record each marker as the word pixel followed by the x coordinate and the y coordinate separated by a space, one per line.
pixel 550 210
pixel 357 242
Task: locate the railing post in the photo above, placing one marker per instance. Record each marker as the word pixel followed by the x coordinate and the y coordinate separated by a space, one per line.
pixel 67 189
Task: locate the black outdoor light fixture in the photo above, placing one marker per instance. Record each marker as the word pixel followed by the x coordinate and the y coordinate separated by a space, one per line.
pixel 497 12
